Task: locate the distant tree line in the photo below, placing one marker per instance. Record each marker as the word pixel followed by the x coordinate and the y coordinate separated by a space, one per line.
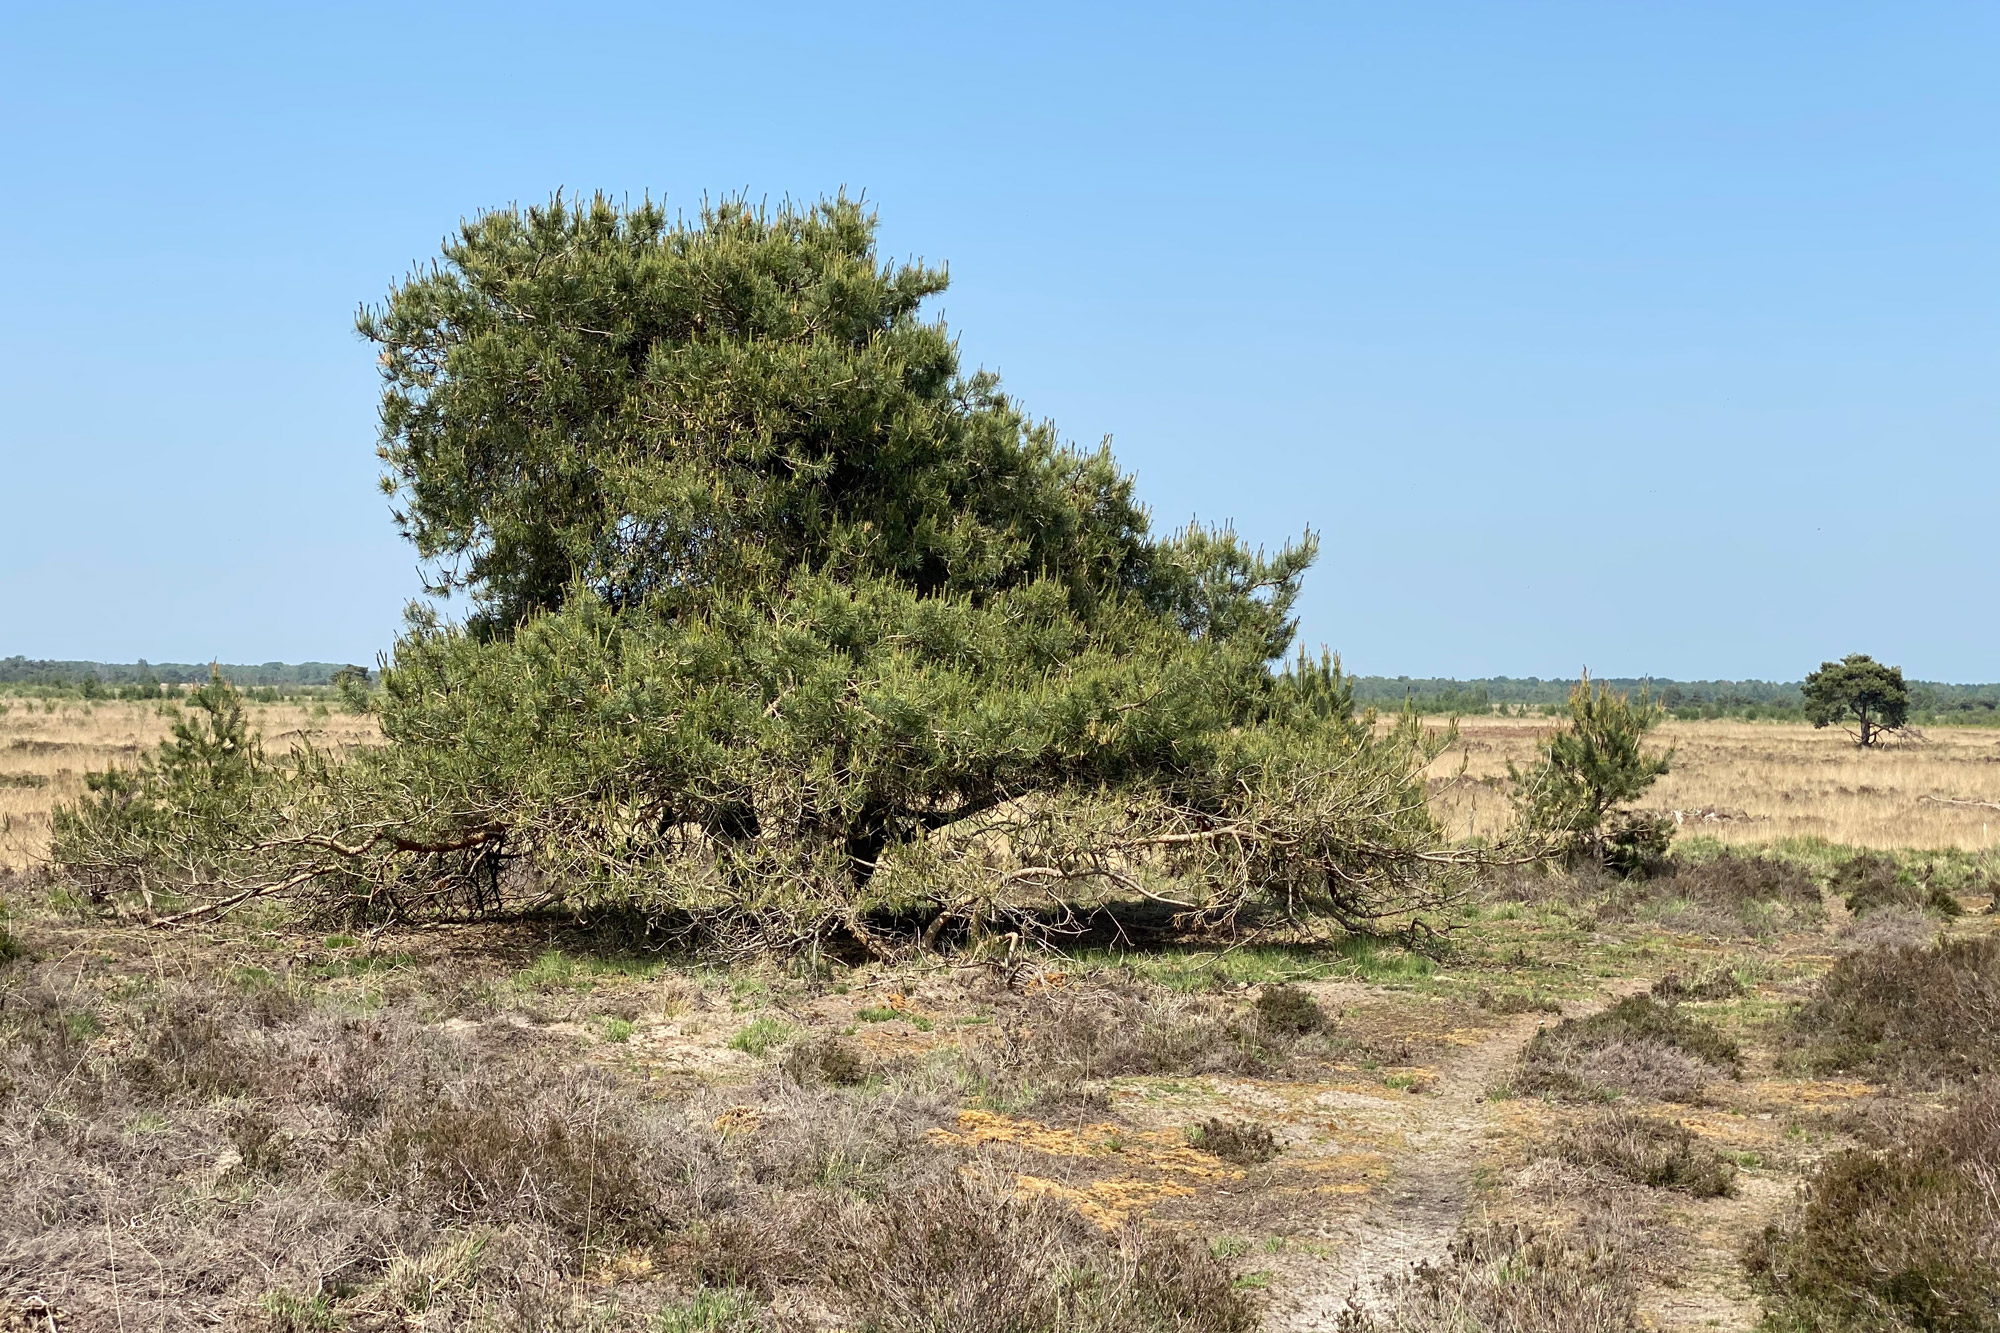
pixel 143 679
pixel 1930 701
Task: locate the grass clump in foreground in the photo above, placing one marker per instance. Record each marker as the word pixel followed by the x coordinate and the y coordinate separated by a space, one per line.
pixel 1509 1280
pixel 1903 1237
pixel 1649 1151
pixel 1636 1046
pixel 1926 1014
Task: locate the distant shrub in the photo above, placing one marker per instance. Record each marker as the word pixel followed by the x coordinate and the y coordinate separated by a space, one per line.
pixel 1649 1151
pixel 1927 1013
pixel 1241 1141
pixel 1729 894
pixel 1717 985
pixel 1906 1236
pixel 1636 1046
pixel 1636 841
pixel 1065 1040
pixel 825 1060
pixel 1285 1010
pixel 1871 881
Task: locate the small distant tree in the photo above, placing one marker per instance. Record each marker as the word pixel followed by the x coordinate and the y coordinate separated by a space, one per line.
pixel 1859 694
pixel 350 685
pixel 1590 768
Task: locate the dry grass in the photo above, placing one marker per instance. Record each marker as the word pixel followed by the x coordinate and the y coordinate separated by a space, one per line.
pixel 1509 1280
pixel 44 752
pixel 1771 781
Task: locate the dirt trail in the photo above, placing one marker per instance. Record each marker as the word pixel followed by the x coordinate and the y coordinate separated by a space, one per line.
pixel 1418 1211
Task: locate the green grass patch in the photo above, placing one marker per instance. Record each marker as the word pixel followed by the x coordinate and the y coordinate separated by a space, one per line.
pixel 555 970
pixel 759 1036
pixel 709 1311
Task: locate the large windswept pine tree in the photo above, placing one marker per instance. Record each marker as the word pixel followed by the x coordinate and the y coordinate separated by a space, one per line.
pixel 778 618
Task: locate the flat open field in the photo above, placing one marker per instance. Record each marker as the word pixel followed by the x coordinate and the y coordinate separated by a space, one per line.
pixel 1749 783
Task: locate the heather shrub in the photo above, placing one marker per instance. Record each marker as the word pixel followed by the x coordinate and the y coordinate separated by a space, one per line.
pixel 1925 1014
pixel 967 1256
pixel 1636 1046
pixel 1729 894
pixel 1241 1141
pixel 1871 882
pixel 1508 1280
pixel 1649 1151
pixel 1905 1236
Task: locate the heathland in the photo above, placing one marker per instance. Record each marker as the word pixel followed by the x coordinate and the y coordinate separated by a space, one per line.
pixel 1712 1097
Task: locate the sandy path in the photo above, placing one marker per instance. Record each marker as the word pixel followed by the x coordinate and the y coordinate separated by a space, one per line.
pixel 1418 1210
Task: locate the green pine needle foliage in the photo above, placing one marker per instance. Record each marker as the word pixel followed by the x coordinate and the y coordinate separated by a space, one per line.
pixel 1591 766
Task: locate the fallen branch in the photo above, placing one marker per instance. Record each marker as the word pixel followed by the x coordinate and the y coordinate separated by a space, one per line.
pixel 221 905
pixel 1963 801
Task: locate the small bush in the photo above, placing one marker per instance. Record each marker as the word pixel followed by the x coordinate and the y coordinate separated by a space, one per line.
pixel 515 1155
pixel 1729 894
pixel 965 1256
pixel 1066 1039
pixel 1650 1151
pixel 1870 882
pixel 1241 1141
pixel 1637 1045
pixel 1284 1010
pixel 825 1060
pixel 1928 1014
pixel 1903 1237
pixel 1509 1280
pixel 1888 928
pixel 1717 985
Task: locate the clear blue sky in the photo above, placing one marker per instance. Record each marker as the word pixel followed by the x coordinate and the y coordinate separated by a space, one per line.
pixel 1659 338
